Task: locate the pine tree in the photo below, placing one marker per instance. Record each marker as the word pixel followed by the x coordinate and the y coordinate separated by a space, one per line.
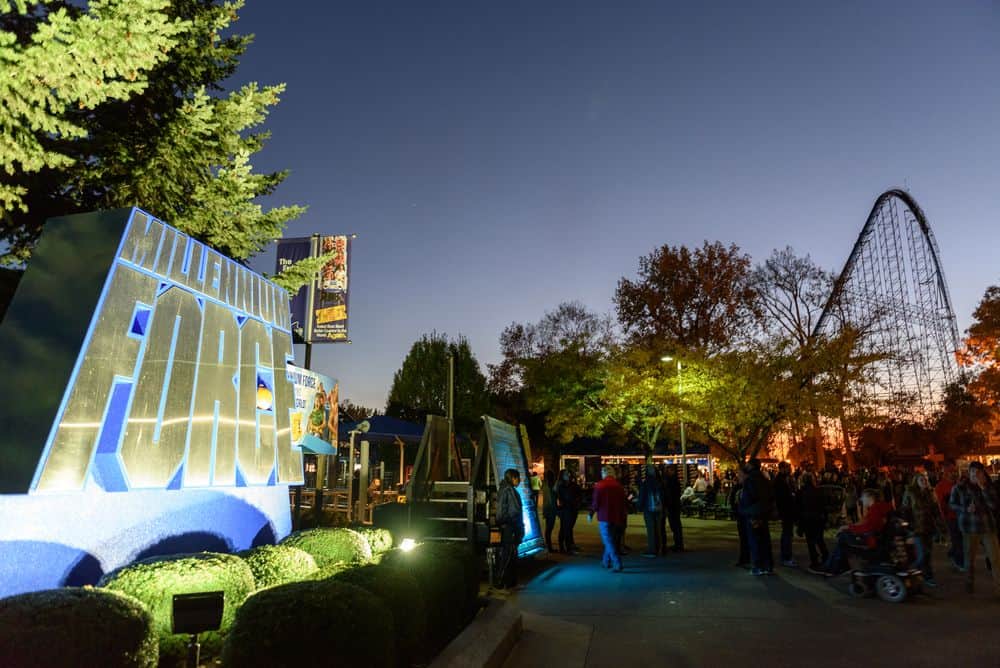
pixel 56 57
pixel 179 149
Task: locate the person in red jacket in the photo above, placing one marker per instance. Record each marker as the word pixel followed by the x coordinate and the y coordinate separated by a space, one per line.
pixel 862 535
pixel 609 504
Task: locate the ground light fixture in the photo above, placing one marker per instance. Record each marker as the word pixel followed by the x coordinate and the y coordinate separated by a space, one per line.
pixel 407 545
pixel 194 614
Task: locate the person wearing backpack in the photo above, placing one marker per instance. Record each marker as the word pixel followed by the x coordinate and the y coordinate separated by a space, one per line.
pixel 756 505
pixel 651 506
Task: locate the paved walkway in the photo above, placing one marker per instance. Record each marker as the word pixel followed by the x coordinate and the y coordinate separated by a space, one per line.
pixel 697 609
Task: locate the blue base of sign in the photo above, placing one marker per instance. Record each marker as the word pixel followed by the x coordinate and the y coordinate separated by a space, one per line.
pixel 72 539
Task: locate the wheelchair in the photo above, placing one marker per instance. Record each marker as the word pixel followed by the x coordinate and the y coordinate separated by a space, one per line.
pixel 887 569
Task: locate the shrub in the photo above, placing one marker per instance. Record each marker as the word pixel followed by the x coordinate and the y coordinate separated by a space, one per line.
pixel 440 578
pixel 155 581
pixel 310 519
pixel 329 570
pixel 470 564
pixel 380 540
pixel 326 623
pixel 401 595
pixel 76 627
pixel 328 546
pixel 278 564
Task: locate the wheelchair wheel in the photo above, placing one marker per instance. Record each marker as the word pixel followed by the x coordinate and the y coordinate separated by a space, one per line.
pixel 891 588
pixel 857 590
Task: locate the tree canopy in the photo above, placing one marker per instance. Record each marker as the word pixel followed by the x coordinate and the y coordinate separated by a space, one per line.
pixel 173 142
pixel 684 299
pixel 420 386
pixel 982 348
pixel 59 59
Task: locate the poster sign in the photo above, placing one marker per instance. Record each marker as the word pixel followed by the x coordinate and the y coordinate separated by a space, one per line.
pixel 331 293
pixel 319 312
pixel 314 417
pixel 508 453
pixel 291 251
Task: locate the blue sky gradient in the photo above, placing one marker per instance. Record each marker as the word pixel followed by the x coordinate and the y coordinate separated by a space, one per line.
pixel 496 159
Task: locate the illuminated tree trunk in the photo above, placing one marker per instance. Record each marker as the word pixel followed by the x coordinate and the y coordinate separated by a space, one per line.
pixel 817 438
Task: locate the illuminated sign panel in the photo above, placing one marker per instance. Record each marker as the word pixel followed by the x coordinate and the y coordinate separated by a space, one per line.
pixel 167 388
pixel 508 453
pixel 136 362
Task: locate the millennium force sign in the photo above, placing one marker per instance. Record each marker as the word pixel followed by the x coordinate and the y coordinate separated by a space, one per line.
pixel 137 359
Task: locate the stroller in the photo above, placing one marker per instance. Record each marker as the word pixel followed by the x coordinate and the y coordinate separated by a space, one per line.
pixel 887 569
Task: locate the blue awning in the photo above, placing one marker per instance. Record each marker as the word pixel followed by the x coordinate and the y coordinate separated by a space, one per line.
pixel 316 446
pixel 384 429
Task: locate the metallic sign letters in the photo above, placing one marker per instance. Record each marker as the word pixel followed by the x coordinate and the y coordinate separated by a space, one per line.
pixel 181 381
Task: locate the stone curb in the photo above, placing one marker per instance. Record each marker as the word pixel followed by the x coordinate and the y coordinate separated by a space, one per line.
pixel 486 641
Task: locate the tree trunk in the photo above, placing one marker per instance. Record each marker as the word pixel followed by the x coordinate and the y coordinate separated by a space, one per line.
pixel 817 438
pixel 846 436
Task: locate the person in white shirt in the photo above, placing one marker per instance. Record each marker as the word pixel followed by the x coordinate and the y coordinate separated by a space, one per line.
pixel 701 485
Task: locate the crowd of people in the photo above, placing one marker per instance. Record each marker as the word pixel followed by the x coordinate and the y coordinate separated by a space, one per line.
pixel 939 506
pixel 944 505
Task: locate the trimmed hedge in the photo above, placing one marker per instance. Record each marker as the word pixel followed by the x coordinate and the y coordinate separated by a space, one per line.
pixel 329 570
pixel 380 540
pixel 278 564
pixel 470 568
pixel 155 581
pixel 69 627
pixel 401 595
pixel 324 623
pixel 441 581
pixel 328 546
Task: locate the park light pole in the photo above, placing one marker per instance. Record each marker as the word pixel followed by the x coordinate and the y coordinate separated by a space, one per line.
pixel 684 464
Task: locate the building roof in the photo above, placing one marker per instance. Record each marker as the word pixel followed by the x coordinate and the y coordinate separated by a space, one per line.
pixel 604 447
pixel 383 428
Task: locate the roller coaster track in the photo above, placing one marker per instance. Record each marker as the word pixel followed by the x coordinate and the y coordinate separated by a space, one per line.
pixel 893 287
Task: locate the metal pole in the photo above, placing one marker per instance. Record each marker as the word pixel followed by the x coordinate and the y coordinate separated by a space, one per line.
pixel 363 483
pixel 402 463
pixel 350 477
pixel 684 459
pixel 307 335
pixel 451 408
pixel 307 330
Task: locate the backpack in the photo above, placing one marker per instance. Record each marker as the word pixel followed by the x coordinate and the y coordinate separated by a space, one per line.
pixel 656 501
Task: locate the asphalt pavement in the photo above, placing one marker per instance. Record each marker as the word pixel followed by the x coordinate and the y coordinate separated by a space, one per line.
pixel 697 609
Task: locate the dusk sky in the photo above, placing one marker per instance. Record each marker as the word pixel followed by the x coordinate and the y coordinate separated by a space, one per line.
pixel 498 158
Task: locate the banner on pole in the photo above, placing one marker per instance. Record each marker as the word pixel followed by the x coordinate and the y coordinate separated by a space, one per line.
pixel 291 251
pixel 330 298
pixel 326 300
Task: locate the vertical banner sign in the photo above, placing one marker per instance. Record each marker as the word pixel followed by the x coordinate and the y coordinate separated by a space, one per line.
pixel 508 453
pixel 291 251
pixel 314 416
pixel 330 299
